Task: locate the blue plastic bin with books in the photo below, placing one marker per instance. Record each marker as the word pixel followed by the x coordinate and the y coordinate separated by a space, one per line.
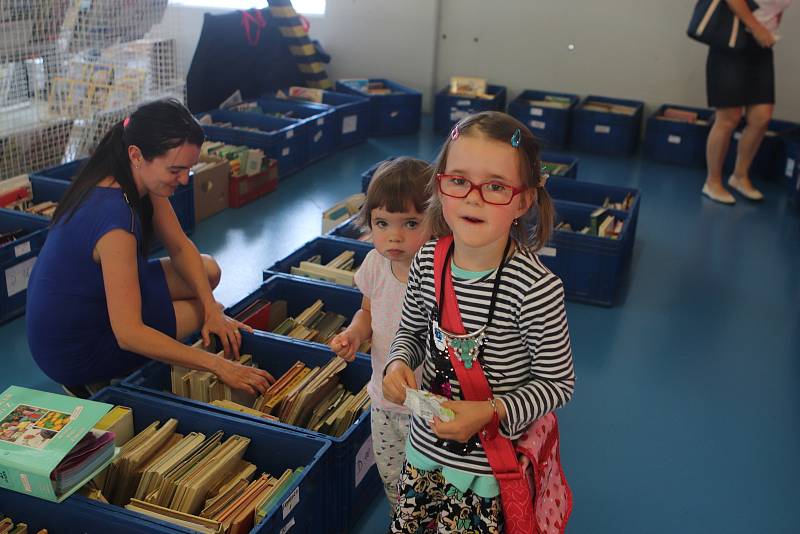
pixel 560 165
pixel 351 475
pixel 350 230
pixel 46 194
pixel 300 294
pixel 597 195
pixel 325 254
pixel 769 162
pixel 592 268
pixel 393 108
pixel 677 134
pixel 21 239
pixel 606 125
pixel 450 108
pixel 321 127
pixel 284 140
pixel 351 112
pixel 547 114
pixel 271 449
pixel 182 200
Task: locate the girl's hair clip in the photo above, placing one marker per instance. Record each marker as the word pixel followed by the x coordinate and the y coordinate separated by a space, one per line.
pixel 543 176
pixel 455 132
pixel 515 139
pixel 126 122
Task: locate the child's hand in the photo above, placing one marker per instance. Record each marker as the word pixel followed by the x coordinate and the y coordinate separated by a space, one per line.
pixel 471 417
pixel 345 345
pixel 398 377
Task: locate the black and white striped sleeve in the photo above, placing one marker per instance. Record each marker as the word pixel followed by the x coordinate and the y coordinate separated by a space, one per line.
pixel 543 324
pixel 409 341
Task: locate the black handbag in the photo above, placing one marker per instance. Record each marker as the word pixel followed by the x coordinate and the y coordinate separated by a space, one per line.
pixel 713 23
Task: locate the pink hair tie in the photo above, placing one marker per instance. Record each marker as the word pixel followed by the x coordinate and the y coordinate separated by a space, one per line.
pixel 126 122
pixel 455 132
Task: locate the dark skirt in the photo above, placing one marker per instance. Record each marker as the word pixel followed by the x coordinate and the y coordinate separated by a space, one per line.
pixel 736 79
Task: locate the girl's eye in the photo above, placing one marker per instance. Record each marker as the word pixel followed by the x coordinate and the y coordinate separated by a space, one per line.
pixel 381 224
pixel 495 187
pixel 457 180
pixel 412 224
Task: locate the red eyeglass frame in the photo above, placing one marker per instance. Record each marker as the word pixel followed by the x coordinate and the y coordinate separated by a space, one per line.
pixel 515 190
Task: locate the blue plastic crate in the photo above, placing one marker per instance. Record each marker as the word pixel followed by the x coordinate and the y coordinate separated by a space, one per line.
pixel 350 231
pixel 613 134
pixel 550 125
pixel 771 155
pixel 591 268
pixel 594 194
pixel 397 113
pixel 75 516
pixel 284 140
pixel 272 450
pixel 300 293
pixel 182 200
pixel 449 109
pixel 346 488
pixel 327 247
pixel 677 142
pixel 570 161
pixel 351 115
pixel 320 119
pixel 17 259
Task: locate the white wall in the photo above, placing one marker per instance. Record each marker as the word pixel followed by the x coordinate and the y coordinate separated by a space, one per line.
pixel 634 49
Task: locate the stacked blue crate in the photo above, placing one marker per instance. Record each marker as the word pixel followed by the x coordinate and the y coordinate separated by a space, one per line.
pixel 604 132
pixel 348 484
pixel 326 247
pixel 17 258
pixel 570 163
pixel 271 449
pixel 398 112
pixel 449 108
pixel 322 130
pixel 683 143
pixel 349 230
pixel 549 124
pixel 284 140
pixel 351 115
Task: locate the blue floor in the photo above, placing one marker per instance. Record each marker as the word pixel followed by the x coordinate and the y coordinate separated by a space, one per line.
pixel 686 415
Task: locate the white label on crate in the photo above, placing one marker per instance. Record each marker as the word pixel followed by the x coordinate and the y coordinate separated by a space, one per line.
pixel 18 275
pixel 317 137
pixel 291 502
pixel 394 114
pixel 602 129
pixel 289 134
pixel 539 125
pixel 537 112
pixel 364 460
pixel 457 114
pixel 548 251
pixel 25 482
pixel 321 121
pixel 287 526
pixel 349 124
pixel 790 163
pixel 24 248
pixel 674 139
pixel 464 103
pixel 737 135
pixel 285 151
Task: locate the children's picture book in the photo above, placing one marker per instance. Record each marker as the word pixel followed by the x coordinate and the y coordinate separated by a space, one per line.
pixel 48 447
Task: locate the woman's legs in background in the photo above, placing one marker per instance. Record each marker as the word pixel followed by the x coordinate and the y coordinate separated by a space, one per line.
pixel 719 139
pixel 758 117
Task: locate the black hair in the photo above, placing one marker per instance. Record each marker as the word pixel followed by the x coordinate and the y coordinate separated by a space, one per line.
pixel 155 128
